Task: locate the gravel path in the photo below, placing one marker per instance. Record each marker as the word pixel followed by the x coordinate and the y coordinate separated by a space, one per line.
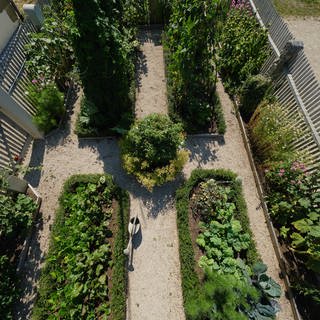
pixel 150 83
pixel 154 274
pixel 307 30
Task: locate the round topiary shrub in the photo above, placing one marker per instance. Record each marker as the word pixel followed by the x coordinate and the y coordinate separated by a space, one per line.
pixel 152 150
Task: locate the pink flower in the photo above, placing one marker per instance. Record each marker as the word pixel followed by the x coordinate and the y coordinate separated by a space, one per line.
pixel 34 81
pixel 280 174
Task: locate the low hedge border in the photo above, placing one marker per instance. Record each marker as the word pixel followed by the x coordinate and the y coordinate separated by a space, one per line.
pixel 119 275
pixel 190 281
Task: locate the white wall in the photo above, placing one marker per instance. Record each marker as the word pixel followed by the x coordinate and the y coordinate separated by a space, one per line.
pixel 8 22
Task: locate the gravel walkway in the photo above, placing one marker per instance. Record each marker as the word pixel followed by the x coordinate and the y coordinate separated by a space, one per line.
pixel 154 275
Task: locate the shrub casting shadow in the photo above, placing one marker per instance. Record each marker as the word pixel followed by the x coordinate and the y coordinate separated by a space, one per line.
pixel 157 202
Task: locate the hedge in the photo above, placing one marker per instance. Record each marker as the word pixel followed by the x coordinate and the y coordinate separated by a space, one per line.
pixel 190 281
pixel 119 278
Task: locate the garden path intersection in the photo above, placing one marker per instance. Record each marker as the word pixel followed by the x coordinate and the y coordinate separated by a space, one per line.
pixel 154 280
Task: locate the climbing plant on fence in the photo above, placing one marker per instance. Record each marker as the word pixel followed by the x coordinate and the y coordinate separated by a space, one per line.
pixel 243 48
pixel 190 41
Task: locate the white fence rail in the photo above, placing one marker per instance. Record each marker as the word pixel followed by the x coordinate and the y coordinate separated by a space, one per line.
pixel 297 87
pixel 15 81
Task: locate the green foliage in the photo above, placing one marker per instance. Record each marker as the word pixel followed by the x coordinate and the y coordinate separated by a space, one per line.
pixel 209 199
pixel 293 202
pixel 50 54
pixel 50 106
pixel 15 215
pixel 243 48
pixel 8 287
pixel 252 93
pixel 222 243
pixel 88 117
pixel 74 282
pixel 224 297
pixel 272 133
pixel 150 150
pixel 190 42
pixel 104 49
pixel 190 282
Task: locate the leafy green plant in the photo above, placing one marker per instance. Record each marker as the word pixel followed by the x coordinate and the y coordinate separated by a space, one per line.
pixel 50 53
pixel 190 42
pixel 209 199
pixel 15 214
pixel 8 287
pixel 74 282
pixel 152 150
pixel 293 203
pixel 243 48
pixel 222 244
pixel 50 106
pixel 253 91
pixel 225 297
pixel 190 282
pixel 272 133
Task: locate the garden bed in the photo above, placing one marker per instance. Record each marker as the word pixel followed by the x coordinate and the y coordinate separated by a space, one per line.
pixel 222 255
pixel 18 212
pixel 84 276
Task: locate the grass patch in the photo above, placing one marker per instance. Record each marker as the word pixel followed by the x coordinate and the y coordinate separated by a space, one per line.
pixel 298 7
pixel 190 282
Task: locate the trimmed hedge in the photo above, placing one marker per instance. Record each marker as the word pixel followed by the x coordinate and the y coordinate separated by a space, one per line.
pixel 119 279
pixel 190 281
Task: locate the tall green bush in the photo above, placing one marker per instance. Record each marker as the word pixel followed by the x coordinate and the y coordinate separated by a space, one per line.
pixel 190 41
pixel 50 106
pixel 104 54
pixel 243 48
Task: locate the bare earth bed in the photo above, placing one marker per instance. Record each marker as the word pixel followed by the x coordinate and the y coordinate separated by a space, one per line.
pixel 154 291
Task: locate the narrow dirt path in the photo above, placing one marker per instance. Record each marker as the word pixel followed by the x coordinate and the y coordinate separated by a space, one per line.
pixel 151 82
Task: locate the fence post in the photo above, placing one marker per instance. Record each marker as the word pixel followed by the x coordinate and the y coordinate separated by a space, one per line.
pixel 291 49
pixel 12 110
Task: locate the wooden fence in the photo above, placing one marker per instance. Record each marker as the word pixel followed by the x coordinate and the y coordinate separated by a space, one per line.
pixel 297 87
pixel 15 81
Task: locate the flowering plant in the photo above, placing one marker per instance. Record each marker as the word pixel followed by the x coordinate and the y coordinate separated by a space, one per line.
pixel 294 204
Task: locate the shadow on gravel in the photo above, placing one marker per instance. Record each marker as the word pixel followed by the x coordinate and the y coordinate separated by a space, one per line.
pixel 203 148
pixel 156 202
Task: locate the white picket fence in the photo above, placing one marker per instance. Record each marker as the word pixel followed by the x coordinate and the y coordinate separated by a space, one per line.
pixel 297 87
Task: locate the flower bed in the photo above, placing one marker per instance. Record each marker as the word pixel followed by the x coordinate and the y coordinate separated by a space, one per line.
pixel 86 252
pixel 229 254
